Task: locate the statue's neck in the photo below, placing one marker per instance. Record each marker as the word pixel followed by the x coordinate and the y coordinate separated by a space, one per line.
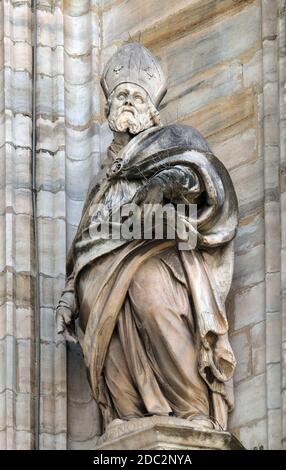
pixel 120 140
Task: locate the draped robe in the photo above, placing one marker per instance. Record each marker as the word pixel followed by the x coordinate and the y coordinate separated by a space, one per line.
pixel 134 342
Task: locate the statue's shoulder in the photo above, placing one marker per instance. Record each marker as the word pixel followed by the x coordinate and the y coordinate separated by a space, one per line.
pixel 179 135
pixel 162 141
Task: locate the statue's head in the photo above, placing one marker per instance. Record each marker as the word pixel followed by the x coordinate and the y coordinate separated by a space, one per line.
pixel 134 85
pixel 130 109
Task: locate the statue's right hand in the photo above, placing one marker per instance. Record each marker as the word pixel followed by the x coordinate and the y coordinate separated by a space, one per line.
pixel 66 325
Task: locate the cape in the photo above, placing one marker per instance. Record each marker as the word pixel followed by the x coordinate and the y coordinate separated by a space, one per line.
pixel 208 268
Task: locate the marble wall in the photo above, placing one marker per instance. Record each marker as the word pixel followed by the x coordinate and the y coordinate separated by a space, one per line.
pixel 226 65
pixel 17 260
pixel 51 218
pixel 82 108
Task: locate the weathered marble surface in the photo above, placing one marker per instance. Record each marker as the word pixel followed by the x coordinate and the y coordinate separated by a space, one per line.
pixel 234 95
pixel 51 218
pixel 16 252
pixel 164 433
pixel 82 110
pixel 222 94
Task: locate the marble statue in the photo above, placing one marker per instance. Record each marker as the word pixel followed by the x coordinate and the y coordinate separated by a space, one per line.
pixel 150 317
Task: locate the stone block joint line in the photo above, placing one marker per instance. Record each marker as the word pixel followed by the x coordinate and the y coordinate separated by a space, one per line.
pixel 37 317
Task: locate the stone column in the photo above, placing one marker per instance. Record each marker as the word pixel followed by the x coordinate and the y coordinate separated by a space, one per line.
pixel 272 21
pixel 16 228
pixel 281 18
pixel 50 220
pixel 82 160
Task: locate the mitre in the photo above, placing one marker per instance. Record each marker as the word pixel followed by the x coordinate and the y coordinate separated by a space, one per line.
pixel 133 63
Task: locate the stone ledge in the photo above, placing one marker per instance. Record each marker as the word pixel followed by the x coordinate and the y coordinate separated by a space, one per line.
pixel 165 433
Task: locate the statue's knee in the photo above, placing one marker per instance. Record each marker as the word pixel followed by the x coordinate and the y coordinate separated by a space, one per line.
pixel 147 275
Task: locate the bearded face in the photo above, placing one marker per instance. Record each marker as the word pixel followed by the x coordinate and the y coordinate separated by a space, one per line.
pixel 131 109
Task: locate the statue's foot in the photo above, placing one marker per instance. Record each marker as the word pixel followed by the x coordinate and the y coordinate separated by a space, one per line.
pixel 202 423
pixel 113 423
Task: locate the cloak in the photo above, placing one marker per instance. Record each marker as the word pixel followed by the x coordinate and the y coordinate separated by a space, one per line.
pixel 208 267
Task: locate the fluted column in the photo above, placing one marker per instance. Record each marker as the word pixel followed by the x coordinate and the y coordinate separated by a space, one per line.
pixel 51 220
pixel 272 213
pixel 281 18
pixel 81 67
pixel 16 228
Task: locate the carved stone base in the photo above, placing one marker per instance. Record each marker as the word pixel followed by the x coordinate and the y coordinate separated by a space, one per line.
pixel 166 433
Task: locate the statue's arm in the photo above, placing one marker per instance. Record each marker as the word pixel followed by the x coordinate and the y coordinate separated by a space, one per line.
pixel 172 184
pixel 66 311
pixel 178 181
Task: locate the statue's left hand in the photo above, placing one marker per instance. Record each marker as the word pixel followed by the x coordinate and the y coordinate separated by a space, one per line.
pixel 65 324
pixel 170 184
pixel 150 193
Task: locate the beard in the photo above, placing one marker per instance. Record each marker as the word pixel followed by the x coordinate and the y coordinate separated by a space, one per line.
pixel 122 120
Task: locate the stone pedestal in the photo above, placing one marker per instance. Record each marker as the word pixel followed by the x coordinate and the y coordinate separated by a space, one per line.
pixel 165 433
